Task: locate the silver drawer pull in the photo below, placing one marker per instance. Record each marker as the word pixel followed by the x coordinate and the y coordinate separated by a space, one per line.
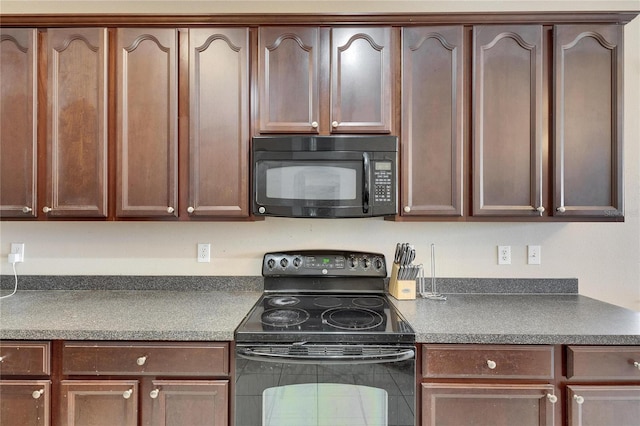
pixel 127 394
pixel 636 364
pixel 37 394
pixel 27 209
pixel 552 398
pixel 46 209
pixel 141 360
pixel 2 358
pixel 314 124
pixel 491 364
pixel 579 399
pixel 154 393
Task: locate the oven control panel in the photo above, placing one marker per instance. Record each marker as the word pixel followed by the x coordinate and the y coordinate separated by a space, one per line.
pixel 324 263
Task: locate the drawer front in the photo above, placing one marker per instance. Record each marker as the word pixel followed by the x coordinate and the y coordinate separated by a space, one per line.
pixel 172 359
pixel 603 362
pixel 487 361
pixel 25 358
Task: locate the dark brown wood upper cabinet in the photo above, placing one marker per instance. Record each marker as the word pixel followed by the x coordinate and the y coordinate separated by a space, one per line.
pixel 588 120
pixel 147 122
pixel 432 121
pixel 321 80
pixel 18 106
pixel 507 135
pixel 218 122
pixel 76 179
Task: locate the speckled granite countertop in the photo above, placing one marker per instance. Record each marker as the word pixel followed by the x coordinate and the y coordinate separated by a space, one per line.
pixel 521 319
pixel 124 314
pixel 211 309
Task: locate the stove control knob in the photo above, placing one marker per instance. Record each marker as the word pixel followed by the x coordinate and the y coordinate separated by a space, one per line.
pixel 366 263
pixel 271 263
pixel 353 262
pixel 284 262
pixel 297 262
pixel 377 263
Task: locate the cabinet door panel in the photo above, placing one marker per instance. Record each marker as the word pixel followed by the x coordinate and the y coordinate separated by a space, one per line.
pixel 147 122
pixel 487 405
pixel 603 405
pixel 219 122
pixel 77 120
pixel 288 79
pixel 99 402
pixel 361 79
pixel 432 121
pixel 190 403
pixel 588 121
pixel 18 106
pixel 25 402
pixel 507 128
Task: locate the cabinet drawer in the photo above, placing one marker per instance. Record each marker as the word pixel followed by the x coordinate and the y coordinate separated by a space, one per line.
pixel 603 362
pixel 166 359
pixel 488 361
pixel 25 358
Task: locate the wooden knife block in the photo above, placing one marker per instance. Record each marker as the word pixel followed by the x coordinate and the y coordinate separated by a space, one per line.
pixel 401 289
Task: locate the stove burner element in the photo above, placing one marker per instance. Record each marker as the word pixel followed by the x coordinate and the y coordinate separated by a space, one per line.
pixel 327 302
pixel 283 301
pixel 284 317
pixel 368 302
pixel 352 318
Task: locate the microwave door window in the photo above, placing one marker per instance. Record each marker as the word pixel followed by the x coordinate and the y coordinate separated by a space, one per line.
pixel 313 183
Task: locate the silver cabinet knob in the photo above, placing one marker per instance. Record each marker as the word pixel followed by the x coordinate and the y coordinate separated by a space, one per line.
pixel 27 209
pixel 154 393
pixel 46 209
pixel 578 399
pixel 491 364
pixel 314 124
pixel 190 210
pixel 636 364
pixel 1 358
pixel 37 393
pixel 334 124
pixel 170 209
pixel 407 209
pixel 552 398
pixel 540 210
pixel 127 394
pixel 141 360
pixel 561 209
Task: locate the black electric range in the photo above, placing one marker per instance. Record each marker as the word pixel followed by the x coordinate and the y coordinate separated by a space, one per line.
pixel 324 296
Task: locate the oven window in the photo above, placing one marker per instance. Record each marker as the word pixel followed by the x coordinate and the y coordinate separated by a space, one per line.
pixel 310 182
pixel 330 404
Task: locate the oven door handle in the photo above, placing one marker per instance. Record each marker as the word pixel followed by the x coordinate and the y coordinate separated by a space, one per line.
pixel 265 353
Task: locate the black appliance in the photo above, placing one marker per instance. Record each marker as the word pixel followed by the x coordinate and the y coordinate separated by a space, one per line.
pixel 325 176
pixel 324 345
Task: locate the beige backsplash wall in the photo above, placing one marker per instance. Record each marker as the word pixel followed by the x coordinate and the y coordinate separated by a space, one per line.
pixel 605 257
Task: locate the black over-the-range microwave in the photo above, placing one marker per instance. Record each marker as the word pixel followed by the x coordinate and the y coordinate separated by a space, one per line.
pixel 325 176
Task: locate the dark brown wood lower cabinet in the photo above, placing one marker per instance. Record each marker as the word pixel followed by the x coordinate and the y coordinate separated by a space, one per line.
pixel 25 402
pixel 487 404
pixel 99 402
pixel 603 405
pixel 188 402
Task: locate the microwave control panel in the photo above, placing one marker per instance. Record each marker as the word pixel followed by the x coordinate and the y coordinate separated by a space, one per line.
pixel 382 182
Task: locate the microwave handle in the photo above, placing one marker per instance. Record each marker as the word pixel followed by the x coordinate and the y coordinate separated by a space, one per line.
pixel 365 186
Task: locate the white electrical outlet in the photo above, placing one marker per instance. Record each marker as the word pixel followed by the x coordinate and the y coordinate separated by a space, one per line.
pixel 204 252
pixel 533 255
pixel 18 250
pixel 504 255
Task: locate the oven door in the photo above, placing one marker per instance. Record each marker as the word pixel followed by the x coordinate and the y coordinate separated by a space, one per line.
pixel 328 385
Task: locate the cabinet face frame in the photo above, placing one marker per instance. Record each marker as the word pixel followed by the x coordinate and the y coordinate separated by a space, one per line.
pixel 20 147
pixel 450 42
pixel 164 42
pixel 578 85
pixel 77 124
pixel 528 39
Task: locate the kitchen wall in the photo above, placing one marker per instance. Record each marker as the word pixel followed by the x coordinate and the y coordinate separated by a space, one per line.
pixel 605 257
